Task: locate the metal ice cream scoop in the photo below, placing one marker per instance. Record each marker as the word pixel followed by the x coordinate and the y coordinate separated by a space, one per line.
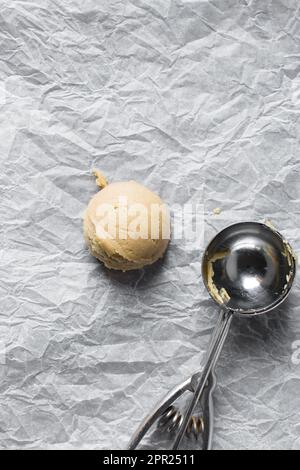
pixel 248 269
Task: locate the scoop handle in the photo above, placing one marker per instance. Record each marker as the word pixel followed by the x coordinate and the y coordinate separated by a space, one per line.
pixel 218 341
pixel 160 408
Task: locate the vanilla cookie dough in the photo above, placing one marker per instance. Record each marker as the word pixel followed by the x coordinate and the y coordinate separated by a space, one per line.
pixel 126 226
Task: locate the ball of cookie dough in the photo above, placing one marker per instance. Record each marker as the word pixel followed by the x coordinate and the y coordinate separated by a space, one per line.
pixel 126 226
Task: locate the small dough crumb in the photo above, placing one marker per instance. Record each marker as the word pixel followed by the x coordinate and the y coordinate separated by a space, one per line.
pixel 269 224
pixel 100 179
pixel 217 211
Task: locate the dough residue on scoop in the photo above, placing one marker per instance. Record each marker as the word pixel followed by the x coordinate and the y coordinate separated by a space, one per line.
pixel 221 296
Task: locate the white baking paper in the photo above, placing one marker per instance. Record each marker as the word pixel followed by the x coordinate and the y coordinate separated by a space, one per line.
pixel 199 101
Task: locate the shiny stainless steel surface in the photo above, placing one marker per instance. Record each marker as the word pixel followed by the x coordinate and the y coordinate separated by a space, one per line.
pixel 248 269
pixel 251 265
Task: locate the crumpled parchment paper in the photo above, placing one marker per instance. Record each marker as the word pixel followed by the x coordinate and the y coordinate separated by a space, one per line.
pixel 198 100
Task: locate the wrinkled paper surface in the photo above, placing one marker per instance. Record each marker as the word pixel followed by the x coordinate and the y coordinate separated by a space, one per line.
pixel 198 100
